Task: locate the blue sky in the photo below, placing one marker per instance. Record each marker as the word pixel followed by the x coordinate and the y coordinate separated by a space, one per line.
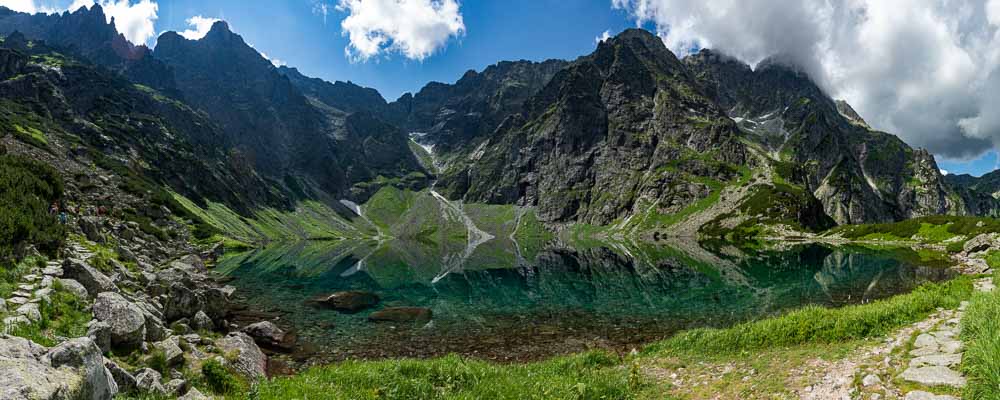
pixel 292 32
pixel 953 116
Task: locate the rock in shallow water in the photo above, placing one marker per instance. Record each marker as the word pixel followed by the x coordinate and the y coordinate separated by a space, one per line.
pixel 349 302
pixel 267 334
pixel 402 314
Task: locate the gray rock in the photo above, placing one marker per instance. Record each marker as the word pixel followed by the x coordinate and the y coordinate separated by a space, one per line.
pixel 3 306
pixel 202 322
pixel 247 359
pixel 93 280
pixel 871 380
pixel 171 350
pixel 351 301
pixel 267 334
pixel 978 243
pixel 74 287
pixel 193 394
pixel 31 379
pixel 941 360
pixel 154 327
pixel 44 294
pixel 176 387
pixel 922 395
pixel 10 323
pixel 90 226
pixel 31 311
pixel 181 302
pixel 933 376
pixel 148 381
pixel 216 302
pixel 128 324
pixel 126 381
pixel 85 357
pixel 100 333
pixel 17 347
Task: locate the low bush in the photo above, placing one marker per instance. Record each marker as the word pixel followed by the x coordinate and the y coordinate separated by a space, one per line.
pixel 27 189
pixel 220 379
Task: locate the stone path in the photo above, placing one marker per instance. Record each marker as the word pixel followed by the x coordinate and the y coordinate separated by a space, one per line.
pixel 24 305
pixel 912 364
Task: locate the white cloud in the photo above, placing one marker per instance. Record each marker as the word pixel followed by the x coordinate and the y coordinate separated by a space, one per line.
pixel 944 172
pixel 322 8
pixel 135 21
pixel 27 6
pixel 926 71
pixel 201 27
pixel 275 61
pixel 415 28
pixel 604 36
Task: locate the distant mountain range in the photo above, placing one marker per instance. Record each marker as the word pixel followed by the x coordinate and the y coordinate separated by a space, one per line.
pixel 629 136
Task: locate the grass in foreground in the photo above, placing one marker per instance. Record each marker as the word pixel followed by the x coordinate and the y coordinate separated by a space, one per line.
pixel 981 334
pixel 822 325
pixel 593 375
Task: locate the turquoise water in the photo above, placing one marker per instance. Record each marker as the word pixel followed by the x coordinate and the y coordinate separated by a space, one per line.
pixel 560 299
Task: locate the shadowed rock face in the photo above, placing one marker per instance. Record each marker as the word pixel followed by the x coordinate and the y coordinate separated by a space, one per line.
pixel 859 175
pixel 88 34
pixel 283 132
pixel 607 131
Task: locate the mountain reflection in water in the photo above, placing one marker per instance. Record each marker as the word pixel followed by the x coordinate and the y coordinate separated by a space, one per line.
pixel 504 305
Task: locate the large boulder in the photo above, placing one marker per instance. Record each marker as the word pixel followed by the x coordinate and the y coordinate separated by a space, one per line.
pixel 350 302
pixel 269 335
pixel 244 355
pixel 148 381
pixel 126 381
pixel 100 333
pixel 83 356
pixel 171 349
pixel 74 287
pixel 24 377
pixel 979 243
pixel 93 280
pixel 202 322
pixel 127 321
pixel 182 302
pixel 91 227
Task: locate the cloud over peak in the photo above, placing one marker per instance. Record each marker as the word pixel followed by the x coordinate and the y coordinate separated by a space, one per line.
pixel 200 26
pixel 927 72
pixel 414 28
pixel 134 20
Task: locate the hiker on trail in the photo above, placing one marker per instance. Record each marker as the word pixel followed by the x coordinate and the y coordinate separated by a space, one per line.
pixel 54 209
pixel 62 218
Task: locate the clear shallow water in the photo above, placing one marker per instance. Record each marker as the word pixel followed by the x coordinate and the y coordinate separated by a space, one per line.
pixel 559 299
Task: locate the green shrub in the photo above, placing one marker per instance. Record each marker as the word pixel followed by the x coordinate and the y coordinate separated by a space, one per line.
pixel 220 379
pixel 27 189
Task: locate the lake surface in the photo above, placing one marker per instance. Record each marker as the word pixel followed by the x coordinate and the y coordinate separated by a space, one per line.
pixel 559 299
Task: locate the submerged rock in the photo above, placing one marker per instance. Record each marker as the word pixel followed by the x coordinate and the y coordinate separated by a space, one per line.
pixel 402 314
pixel 267 334
pixel 352 301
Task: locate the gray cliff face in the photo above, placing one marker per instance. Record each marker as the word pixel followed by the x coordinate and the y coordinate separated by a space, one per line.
pixel 625 124
pixel 859 175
